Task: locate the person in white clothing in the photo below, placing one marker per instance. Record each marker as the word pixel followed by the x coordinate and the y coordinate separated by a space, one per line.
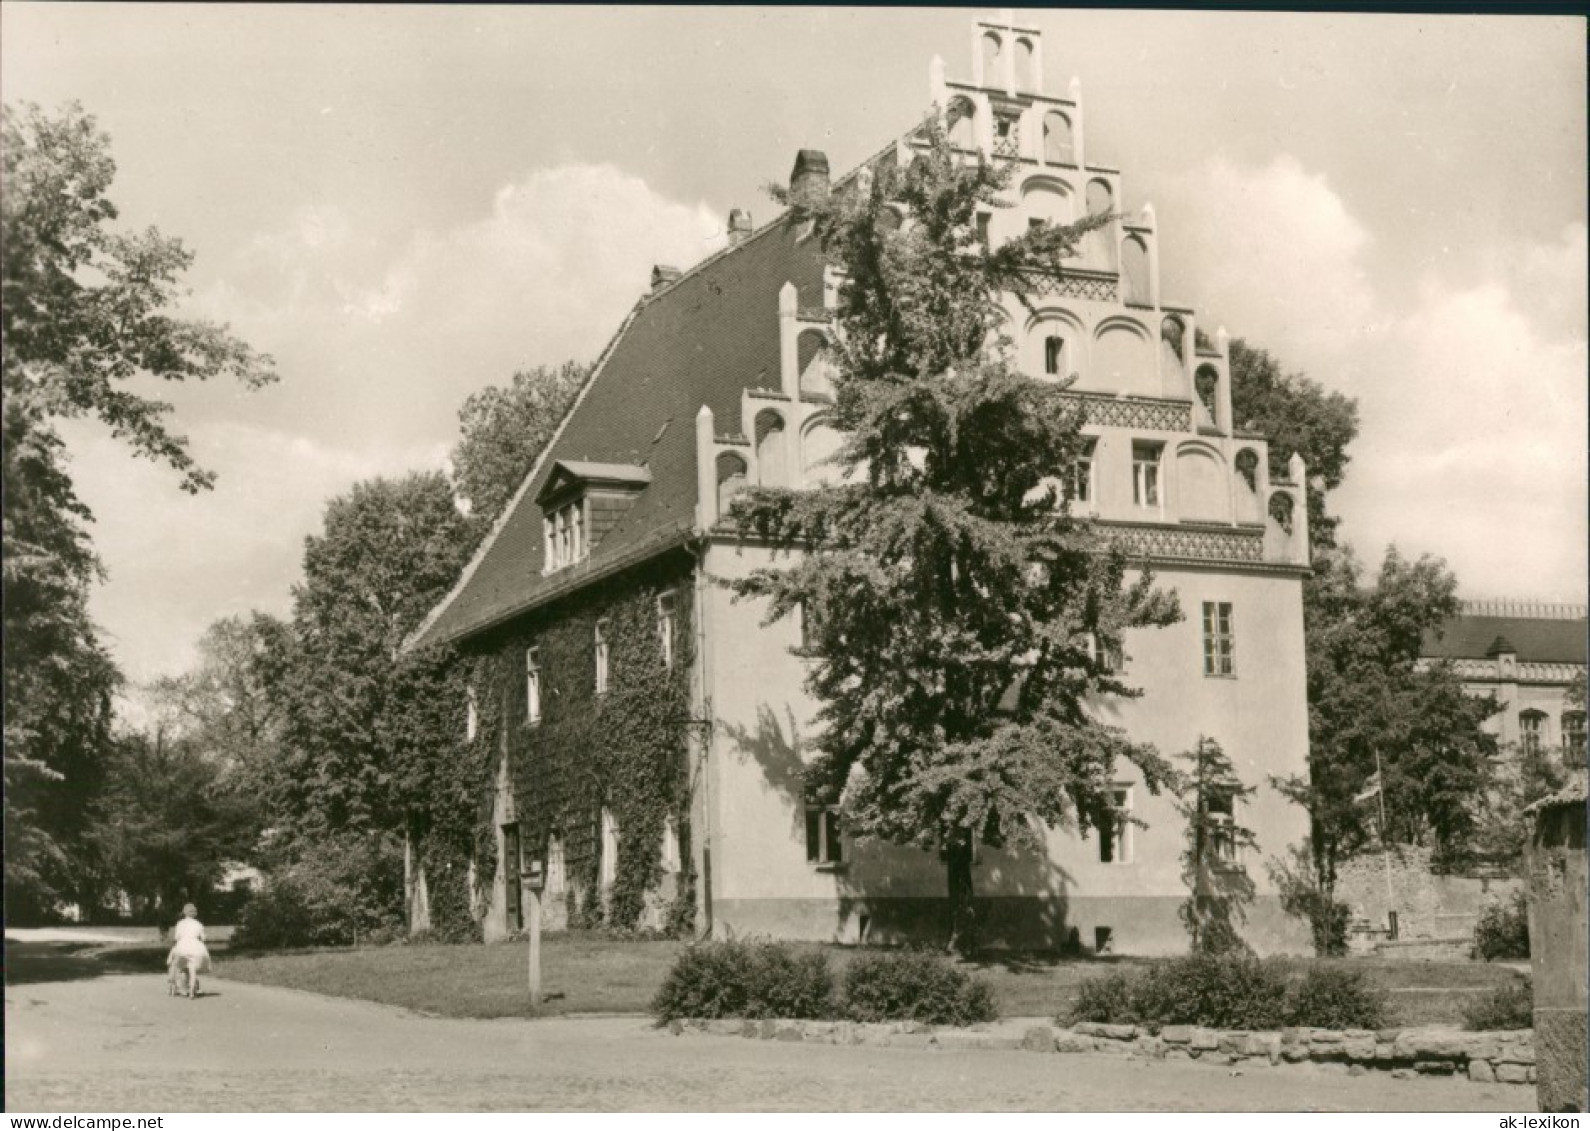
pixel 188 955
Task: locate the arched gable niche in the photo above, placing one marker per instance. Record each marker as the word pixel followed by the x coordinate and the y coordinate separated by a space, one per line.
pixel 1059 146
pixel 731 479
pixel 772 465
pixel 1053 345
pixel 1201 483
pixel 814 364
pixel 820 441
pixel 1135 283
pixel 1123 359
pixel 1049 199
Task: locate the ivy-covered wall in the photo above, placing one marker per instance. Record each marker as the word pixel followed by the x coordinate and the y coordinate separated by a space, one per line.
pixel 626 749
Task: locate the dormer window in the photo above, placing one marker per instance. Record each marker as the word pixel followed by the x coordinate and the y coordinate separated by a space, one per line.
pixel 580 502
pixel 564 529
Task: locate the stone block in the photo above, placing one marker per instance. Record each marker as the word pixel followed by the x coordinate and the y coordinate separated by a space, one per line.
pixel 1146 1045
pixel 1358 1034
pixel 676 1026
pixel 1512 1074
pixel 767 1029
pixel 725 1026
pixel 1384 1052
pixel 1360 1048
pixel 1387 1035
pixel 1402 1074
pixel 908 1040
pixel 1481 1072
pixel 1434 1067
pixel 1292 1035
pixel 1178 1052
pixel 1356 1070
pixel 1262 1044
pixel 1294 1053
pixel 1205 1040
pixel 1436 1043
pixel 1176 1034
pixel 1118 1032
pixel 790 1031
pixel 1516 1054
pixel 1325 1037
pixel 1233 1040
pixel 1038 1038
pixel 1072 1041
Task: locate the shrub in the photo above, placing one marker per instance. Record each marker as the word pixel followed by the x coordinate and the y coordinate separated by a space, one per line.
pixel 1304 897
pixel 1511 1006
pixel 1107 999
pixel 1329 997
pixel 337 893
pixel 1503 929
pixel 915 985
pixel 745 979
pixel 1223 991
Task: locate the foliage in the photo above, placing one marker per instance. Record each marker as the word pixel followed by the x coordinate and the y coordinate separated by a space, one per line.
pixel 1523 775
pixel 625 750
pixel 1227 990
pixel 1231 990
pixel 915 985
pixel 163 826
pixel 1106 999
pixel 1295 414
pixel 343 889
pixel 1503 928
pixel 504 429
pixel 736 978
pixel 84 312
pixel 1369 694
pixel 1331 997
pixel 1303 896
pixel 956 594
pixel 1210 797
pixel 1509 1006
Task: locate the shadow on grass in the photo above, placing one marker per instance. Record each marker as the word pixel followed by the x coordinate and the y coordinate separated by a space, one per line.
pixel 1044 961
pixel 29 963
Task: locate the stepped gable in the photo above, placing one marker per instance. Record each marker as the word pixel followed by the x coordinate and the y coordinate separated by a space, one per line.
pixel 700 339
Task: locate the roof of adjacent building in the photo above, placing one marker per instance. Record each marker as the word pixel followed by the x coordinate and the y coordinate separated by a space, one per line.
pixel 699 341
pixel 1559 640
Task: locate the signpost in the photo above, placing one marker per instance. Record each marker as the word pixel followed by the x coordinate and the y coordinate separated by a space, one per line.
pixel 534 882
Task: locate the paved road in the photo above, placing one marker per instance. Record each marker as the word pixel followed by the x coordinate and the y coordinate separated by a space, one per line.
pixel 117 1043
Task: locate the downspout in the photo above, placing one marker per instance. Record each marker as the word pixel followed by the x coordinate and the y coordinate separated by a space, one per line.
pixel 703 720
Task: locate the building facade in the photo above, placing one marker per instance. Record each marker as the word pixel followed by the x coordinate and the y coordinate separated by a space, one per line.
pixel 1529 656
pixel 602 580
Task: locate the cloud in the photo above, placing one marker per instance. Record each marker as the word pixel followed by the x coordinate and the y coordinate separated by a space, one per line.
pixel 377 346
pixel 1472 398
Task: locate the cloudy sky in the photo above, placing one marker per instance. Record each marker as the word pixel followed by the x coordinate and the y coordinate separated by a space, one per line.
pixel 403 205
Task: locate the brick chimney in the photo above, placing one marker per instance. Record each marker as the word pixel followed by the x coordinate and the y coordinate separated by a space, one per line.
pixel 662 276
pixel 808 181
pixel 739 225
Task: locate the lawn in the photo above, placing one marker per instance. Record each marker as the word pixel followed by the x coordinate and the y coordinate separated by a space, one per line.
pixel 593 974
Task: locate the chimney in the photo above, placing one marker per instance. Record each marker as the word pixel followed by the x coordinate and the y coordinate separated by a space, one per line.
pixel 808 181
pixel 739 225
pixel 662 276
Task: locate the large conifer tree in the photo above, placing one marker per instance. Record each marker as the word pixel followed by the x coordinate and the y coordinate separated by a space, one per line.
pixel 958 613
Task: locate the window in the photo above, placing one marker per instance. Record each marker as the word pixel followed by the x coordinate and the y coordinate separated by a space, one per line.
pixel 665 628
pixel 609 861
pixel 564 533
pixel 1080 486
pixel 1532 730
pixel 983 237
pixel 1218 639
pixel 823 844
pixel 1145 474
pixel 1054 356
pixel 1105 653
pixel 601 657
pixel 1115 834
pixel 471 714
pixel 1220 809
pixel 555 874
pixel 669 859
pixel 1573 733
pixel 532 685
pixel 511 869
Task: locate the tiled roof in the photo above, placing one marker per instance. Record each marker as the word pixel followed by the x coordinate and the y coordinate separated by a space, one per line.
pixel 1536 639
pixel 700 341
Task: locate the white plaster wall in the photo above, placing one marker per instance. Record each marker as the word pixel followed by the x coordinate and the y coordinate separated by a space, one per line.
pixel 765 722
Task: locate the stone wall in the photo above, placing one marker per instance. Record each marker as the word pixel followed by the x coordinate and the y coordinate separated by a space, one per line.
pixel 1485 1058
pixel 1560 953
pixel 1428 906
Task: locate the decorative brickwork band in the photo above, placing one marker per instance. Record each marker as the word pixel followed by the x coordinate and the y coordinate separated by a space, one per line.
pixel 814 314
pixel 1523 672
pixel 1077 284
pixel 1136 412
pixel 1188 543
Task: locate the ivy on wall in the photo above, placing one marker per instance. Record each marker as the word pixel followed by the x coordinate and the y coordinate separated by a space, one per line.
pixel 625 750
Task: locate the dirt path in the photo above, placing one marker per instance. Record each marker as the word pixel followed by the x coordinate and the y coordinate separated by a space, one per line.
pixel 117 1043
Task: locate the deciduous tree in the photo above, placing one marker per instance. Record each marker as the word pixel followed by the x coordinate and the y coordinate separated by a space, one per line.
pixel 85 312
pixel 956 599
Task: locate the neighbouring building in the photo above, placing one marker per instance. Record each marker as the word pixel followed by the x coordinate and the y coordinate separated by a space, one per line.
pixel 652 731
pixel 1528 655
